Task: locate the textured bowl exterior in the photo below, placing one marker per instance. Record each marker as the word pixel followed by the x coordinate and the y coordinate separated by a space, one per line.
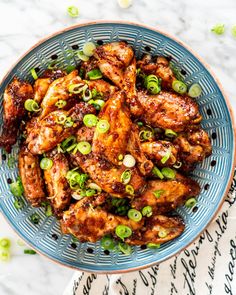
pixel 216 120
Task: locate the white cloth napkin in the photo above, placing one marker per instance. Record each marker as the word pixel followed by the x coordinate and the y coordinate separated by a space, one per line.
pixel 208 266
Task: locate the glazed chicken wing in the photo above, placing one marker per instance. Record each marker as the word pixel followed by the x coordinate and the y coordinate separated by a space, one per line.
pixel 51 130
pixel 113 143
pixel 112 59
pixel 158 229
pixel 88 222
pixel 166 195
pixel 104 89
pixel 16 93
pixel 58 90
pixel 169 110
pixel 59 192
pixel 31 177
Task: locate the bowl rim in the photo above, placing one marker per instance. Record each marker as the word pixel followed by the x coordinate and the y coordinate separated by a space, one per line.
pixel 216 80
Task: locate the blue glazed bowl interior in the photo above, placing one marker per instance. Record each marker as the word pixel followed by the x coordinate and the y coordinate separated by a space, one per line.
pixel 212 179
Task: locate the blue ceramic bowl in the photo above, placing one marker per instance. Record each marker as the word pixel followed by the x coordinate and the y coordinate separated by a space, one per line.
pixel 214 179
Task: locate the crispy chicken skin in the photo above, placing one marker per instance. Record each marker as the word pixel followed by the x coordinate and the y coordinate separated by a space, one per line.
pixel 47 133
pixel 104 89
pixel 168 110
pixel 58 90
pixel 156 150
pixel 31 177
pixel 173 227
pixel 16 93
pixel 59 192
pixel 87 222
pixel 173 193
pixel 194 146
pixel 135 148
pixel 112 60
pixel 113 143
pixel 159 67
pixel 107 176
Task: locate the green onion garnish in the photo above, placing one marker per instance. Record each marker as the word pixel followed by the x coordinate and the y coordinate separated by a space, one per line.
pixel 153 246
pixel 84 147
pixel 107 243
pixel 195 90
pixel 34 74
pixel 94 74
pixel 5 243
pixel 157 193
pixel 179 86
pixel 5 255
pixel 218 29
pixel 98 103
pixel 73 11
pixel 125 248
pixel 140 124
pixel 152 83
pixel 68 122
pixel 162 233
pixel 18 204
pixel 134 215
pixel 178 164
pixel 166 157
pixel 31 105
pixel 77 88
pixel 87 95
pixel 48 211
pixel 46 163
pixel 16 188
pixel 145 135
pixel 168 173
pixel 129 189
pixel 123 231
pixel 67 143
pixel 34 218
pixel 126 176
pixel 88 48
pixel 103 126
pixel 30 252
pixel 60 103
pixel 157 172
pixel 170 133
pixel 190 202
pixel 90 192
pixel 82 56
pixel 90 120
pixel 61 119
pixel 147 211
pixel 70 68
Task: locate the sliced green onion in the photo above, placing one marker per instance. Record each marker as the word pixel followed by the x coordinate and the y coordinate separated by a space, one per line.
pixel 82 56
pixel 233 31
pixel 123 231
pixel 120 158
pixel 71 140
pixel 31 105
pixel 90 192
pixel 5 243
pixel 94 74
pixel 157 172
pixel 162 233
pixel 16 188
pixel 195 90
pixel 168 173
pixel 134 215
pixel 129 161
pixel 167 155
pixel 179 86
pixel 170 133
pixel 78 194
pixel 30 252
pixel 87 95
pixel 126 176
pixel 18 204
pixel 103 126
pixel 48 211
pixel 125 248
pixel 218 29
pixel 178 164
pixel 70 68
pixel 94 92
pixel 107 243
pixel 68 122
pixel 145 135
pixel 61 119
pixel 77 88
pixel 140 124
pixel 157 193
pixel 153 87
pixel 190 202
pixel 129 189
pixel 60 103
pixel 153 246
pixel 99 102
pixel 82 180
pixel 4 255
pixel 73 11
pixel 34 218
pixel 46 163
pixel 34 74
pixel 88 48
pixel 84 147
pixel 90 120
pixel 147 211
pixel 94 186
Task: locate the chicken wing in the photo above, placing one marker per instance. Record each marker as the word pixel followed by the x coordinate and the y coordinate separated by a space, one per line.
pixel 57 186
pixel 16 93
pixel 50 131
pixel 159 67
pixel 31 177
pixel 194 146
pixel 112 59
pixel 103 88
pixel 113 143
pixel 157 150
pixel 166 195
pixel 169 110
pixel 58 90
pixel 158 229
pixel 89 223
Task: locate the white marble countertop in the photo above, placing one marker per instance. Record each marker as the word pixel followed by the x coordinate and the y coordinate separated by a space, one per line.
pixel 22 23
